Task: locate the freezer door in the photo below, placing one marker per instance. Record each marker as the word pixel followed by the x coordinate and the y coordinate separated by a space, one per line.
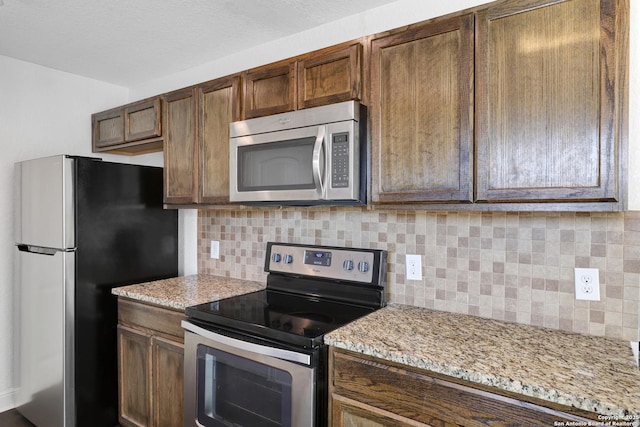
pixel 44 202
pixel 45 392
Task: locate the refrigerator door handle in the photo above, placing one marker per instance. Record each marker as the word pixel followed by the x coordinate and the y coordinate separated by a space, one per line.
pixel 40 250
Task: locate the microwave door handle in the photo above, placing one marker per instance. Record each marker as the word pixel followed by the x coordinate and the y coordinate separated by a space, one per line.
pixel 315 161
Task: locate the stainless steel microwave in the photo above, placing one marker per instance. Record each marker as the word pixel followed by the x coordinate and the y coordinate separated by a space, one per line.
pixel 305 157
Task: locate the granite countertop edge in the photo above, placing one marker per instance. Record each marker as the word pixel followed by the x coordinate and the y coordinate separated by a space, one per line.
pixel 163 302
pixel 484 379
pixel 178 293
pixel 358 343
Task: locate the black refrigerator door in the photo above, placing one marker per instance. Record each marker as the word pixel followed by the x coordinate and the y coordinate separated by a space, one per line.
pixel 123 236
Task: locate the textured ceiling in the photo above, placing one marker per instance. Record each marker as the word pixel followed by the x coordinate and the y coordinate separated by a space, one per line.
pixel 127 42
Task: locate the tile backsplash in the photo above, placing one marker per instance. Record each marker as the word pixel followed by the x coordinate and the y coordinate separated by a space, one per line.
pixel 513 266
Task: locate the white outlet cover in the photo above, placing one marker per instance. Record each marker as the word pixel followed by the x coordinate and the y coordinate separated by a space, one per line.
pixel 215 249
pixel 414 267
pixel 587 281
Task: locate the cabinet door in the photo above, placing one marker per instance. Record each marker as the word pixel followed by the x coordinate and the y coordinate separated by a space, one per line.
pixel 168 383
pixel 107 128
pixel 134 376
pixel 350 413
pixel 270 89
pixel 219 105
pixel 422 113
pixel 330 76
pixel 143 120
pixel 180 147
pixel 549 95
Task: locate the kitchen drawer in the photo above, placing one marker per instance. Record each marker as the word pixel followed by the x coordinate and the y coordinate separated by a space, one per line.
pixel 151 318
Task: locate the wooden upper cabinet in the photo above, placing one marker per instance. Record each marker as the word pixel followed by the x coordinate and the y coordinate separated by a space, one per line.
pixel 422 113
pixel 218 104
pixel 131 129
pixel 270 89
pixel 550 95
pixel 318 78
pixel 107 128
pixel 330 76
pixel 180 147
pixel 143 120
pixel 196 149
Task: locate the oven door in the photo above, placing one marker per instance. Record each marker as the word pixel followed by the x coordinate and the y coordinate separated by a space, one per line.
pixel 308 164
pixel 231 382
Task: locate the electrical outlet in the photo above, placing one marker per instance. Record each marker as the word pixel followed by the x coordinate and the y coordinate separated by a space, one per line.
pixel 215 249
pixel 587 284
pixel 414 267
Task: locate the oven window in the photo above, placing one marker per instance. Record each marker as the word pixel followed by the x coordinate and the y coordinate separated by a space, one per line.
pixel 282 165
pixel 234 391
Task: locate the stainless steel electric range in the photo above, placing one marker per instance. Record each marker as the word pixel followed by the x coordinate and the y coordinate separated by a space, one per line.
pixel 258 359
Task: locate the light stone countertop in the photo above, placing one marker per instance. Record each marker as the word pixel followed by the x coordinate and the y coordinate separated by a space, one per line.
pixel 591 373
pixel 181 292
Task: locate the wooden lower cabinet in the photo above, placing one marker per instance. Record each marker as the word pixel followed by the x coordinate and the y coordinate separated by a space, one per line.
pixel 351 413
pixel 370 392
pixel 150 365
pixel 134 369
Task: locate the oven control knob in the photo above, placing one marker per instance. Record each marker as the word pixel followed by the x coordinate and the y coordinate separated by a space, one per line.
pixel 363 266
pixel 347 265
pixel 276 257
pixel 288 259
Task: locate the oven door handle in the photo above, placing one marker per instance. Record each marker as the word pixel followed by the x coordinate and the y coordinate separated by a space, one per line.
pixel 279 353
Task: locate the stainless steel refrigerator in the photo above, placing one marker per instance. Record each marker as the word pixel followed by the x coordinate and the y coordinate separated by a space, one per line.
pixel 82 227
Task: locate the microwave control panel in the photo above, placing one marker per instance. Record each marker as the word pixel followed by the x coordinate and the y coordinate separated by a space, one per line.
pixel 340 160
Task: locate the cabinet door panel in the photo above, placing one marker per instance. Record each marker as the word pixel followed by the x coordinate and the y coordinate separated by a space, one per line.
pixel 108 128
pixel 180 147
pixel 134 370
pixel 219 105
pixel 422 106
pixel 168 383
pixel 350 413
pixel 143 120
pixel 270 89
pixel 330 77
pixel 547 81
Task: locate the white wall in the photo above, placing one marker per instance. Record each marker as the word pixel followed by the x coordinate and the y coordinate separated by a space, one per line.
pixel 42 112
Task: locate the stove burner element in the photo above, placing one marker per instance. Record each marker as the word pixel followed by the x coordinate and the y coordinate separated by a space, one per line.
pixel 316 317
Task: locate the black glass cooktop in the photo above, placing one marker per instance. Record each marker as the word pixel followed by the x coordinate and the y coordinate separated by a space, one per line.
pixel 289 318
